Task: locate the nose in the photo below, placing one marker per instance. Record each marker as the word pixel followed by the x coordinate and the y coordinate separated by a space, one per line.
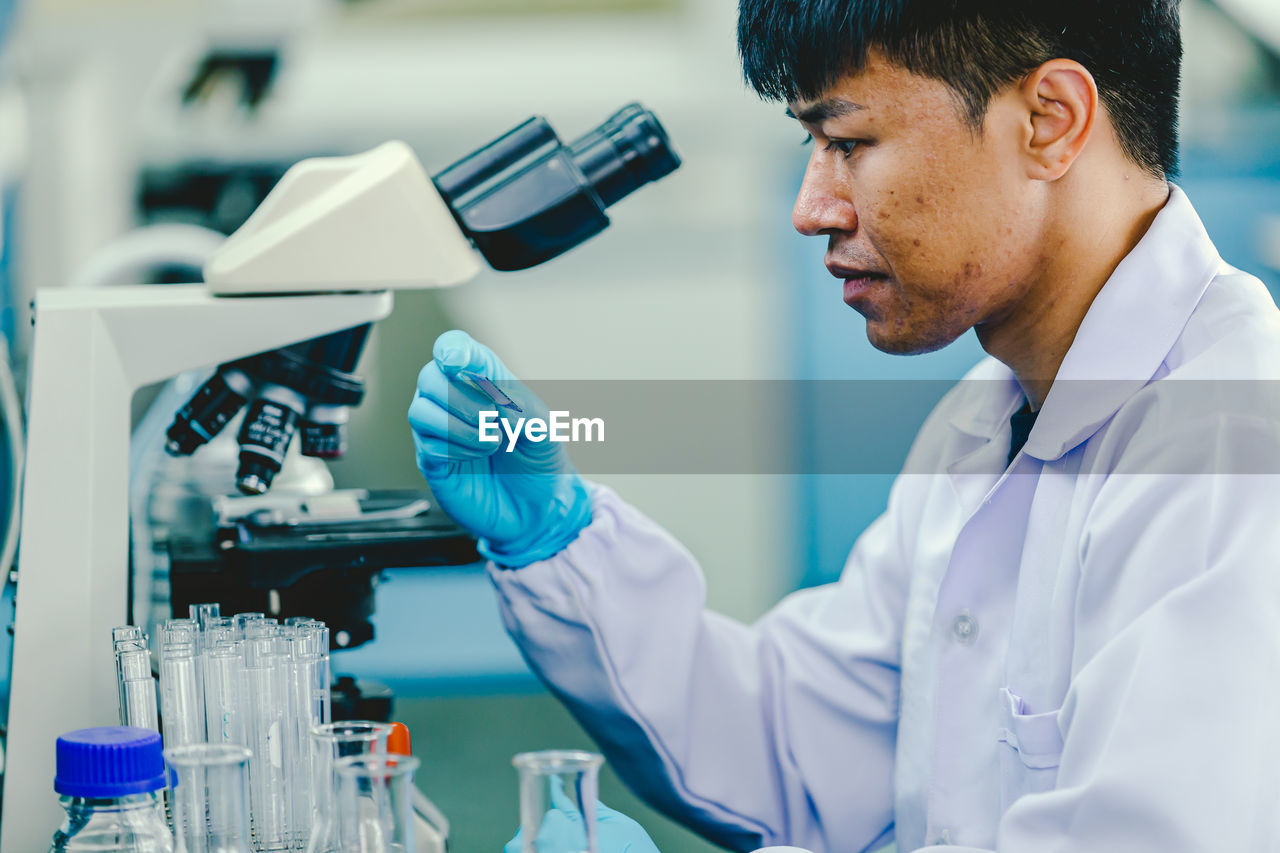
pixel 824 204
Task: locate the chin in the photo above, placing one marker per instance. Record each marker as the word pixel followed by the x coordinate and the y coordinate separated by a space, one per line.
pixel 905 341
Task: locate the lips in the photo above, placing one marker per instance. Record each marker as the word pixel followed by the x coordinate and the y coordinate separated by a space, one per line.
pixel 841 271
pixel 857 281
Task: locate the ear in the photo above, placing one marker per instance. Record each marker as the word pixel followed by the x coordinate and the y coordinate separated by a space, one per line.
pixel 1061 100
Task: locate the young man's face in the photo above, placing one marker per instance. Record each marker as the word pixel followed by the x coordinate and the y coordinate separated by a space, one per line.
pixel 933 228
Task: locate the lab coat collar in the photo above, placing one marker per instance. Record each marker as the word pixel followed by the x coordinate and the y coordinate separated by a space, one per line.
pixel 1133 323
pixel 992 395
pixel 1128 331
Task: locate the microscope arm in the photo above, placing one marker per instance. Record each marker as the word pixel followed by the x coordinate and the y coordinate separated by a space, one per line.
pixel 93 350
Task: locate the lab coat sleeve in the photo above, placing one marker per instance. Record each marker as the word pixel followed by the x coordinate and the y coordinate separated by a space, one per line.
pixel 1170 732
pixel 777 733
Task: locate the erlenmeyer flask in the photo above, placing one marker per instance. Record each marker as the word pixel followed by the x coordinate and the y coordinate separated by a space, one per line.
pixel 558 795
pixel 330 742
pixel 208 786
pixel 375 803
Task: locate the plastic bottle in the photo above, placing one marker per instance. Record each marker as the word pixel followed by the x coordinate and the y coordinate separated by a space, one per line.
pixel 108 779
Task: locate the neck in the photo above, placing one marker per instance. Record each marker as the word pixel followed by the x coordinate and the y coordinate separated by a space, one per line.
pixel 1092 230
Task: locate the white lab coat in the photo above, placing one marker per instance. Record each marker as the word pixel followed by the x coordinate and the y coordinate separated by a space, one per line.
pixel 1081 653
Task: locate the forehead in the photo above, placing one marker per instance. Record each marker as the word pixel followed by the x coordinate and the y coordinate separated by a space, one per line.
pixel 880 89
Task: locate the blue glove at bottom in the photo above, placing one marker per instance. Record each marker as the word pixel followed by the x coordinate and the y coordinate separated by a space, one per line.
pixel 523 500
pixel 561 831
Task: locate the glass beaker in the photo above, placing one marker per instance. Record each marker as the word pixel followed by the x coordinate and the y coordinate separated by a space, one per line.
pixel 375 803
pixel 329 743
pixel 209 790
pixel 558 794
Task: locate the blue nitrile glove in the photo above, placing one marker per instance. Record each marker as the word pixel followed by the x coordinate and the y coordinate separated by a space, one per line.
pixel 561 830
pixel 524 505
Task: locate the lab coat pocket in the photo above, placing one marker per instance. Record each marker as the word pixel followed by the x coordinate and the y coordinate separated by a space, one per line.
pixel 1030 748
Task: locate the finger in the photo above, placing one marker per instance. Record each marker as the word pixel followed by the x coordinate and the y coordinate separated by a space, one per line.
pixel 455 350
pixel 603 812
pixel 559 799
pixel 457 353
pixel 454 394
pixel 429 419
pixel 436 453
pixel 560 831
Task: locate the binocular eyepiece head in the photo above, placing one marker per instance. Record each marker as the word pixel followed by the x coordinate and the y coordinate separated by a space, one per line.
pixel 527 197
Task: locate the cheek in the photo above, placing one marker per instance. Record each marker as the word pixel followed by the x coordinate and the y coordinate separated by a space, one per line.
pixel 943 221
pixel 916 227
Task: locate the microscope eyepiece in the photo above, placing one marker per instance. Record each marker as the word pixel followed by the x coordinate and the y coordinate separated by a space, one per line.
pixel 527 197
pixel 630 149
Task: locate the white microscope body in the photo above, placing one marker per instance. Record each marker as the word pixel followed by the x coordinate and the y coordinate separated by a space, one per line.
pixel 343 230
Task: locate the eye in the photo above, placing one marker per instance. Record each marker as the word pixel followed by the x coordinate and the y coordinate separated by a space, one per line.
pixel 844 146
pixel 807 139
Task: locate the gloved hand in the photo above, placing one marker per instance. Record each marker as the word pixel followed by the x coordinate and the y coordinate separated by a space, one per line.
pixel 561 831
pixel 524 505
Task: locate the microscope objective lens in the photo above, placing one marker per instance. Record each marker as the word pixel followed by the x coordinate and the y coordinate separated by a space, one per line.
pixel 264 439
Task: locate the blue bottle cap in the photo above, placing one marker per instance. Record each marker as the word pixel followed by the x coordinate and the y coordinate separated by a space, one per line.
pixel 109 761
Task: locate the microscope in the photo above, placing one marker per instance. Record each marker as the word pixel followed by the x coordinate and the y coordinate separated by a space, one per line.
pixel 284 313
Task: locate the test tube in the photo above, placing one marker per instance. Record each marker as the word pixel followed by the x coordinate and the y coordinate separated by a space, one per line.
pixel 266 703
pixel 181 634
pixel 242 620
pixel 183 711
pixel 178 631
pixel 202 613
pixel 309 689
pixel 555 781
pixel 220 632
pixel 223 671
pixel 375 803
pixel 208 787
pixel 126 632
pixel 263 627
pixel 181 703
pixel 136 686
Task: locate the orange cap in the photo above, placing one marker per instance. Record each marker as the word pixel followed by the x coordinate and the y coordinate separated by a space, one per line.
pixel 398 741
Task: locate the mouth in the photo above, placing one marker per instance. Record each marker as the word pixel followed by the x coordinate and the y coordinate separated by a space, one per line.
pixel 857 281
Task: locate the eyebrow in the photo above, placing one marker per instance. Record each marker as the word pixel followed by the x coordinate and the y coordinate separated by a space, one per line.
pixel 820 111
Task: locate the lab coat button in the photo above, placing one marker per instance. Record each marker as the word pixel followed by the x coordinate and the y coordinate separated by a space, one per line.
pixel 943 839
pixel 964 629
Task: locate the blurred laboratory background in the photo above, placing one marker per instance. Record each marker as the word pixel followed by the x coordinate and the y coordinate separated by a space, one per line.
pixel 119 114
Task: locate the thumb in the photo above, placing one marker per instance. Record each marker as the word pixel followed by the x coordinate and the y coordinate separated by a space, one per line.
pixel 456 351
pixel 559 799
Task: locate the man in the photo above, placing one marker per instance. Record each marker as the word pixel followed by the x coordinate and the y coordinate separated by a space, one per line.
pixel 1064 632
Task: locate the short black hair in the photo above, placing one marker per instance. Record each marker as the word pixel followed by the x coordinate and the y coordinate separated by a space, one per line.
pixel 796 49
